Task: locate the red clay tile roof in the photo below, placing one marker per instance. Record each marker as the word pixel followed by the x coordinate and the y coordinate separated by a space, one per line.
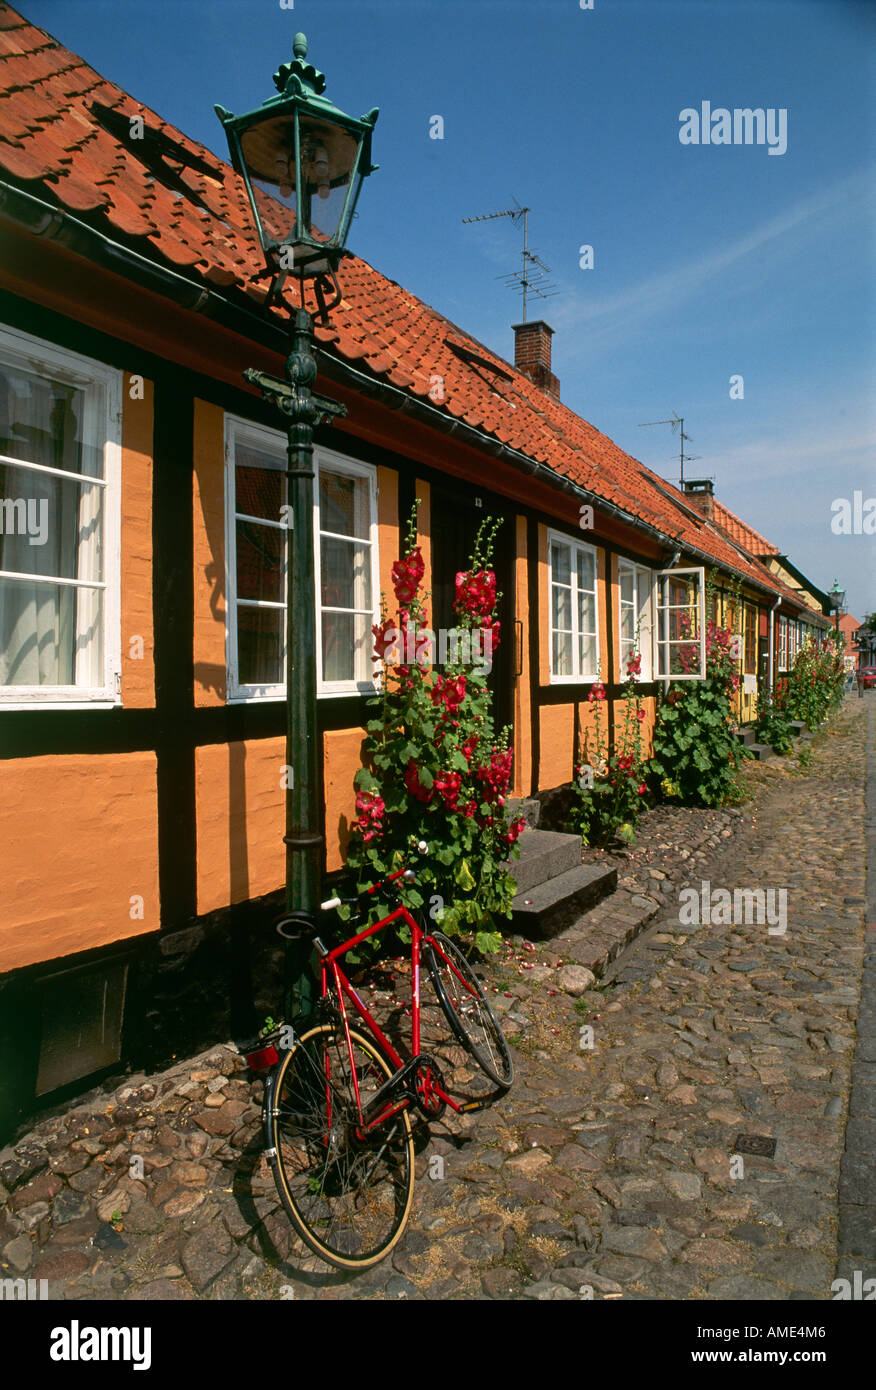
pixel 743 535
pixel 66 135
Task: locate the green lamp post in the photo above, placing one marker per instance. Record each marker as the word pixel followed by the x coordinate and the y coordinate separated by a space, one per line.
pixel 303 162
pixel 837 597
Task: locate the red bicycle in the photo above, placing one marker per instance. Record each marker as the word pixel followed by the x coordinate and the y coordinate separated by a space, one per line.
pixel 338 1103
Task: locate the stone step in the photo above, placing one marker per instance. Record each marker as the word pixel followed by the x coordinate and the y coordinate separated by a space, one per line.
pixel 544 911
pixel 761 751
pixel 745 736
pixel 543 855
pixel 797 727
pixel 529 807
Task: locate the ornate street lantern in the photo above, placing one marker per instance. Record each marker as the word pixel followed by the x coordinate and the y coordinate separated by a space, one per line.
pixel 303 162
pixel 837 598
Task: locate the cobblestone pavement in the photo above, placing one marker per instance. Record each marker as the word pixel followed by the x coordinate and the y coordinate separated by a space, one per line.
pixel 624 1169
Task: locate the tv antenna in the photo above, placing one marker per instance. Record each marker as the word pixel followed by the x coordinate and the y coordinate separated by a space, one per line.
pixel 677 423
pixel 533 278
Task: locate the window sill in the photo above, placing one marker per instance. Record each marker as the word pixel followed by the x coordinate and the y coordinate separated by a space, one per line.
pixel 34 705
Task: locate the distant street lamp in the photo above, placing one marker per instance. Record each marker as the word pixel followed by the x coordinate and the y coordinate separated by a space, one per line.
pixel 837 597
pixel 303 162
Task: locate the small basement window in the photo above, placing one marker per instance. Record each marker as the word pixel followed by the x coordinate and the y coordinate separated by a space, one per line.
pixel 82 1013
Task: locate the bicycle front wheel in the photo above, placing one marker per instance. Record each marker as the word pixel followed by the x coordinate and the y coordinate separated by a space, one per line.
pixel 348 1195
pixel 466 1009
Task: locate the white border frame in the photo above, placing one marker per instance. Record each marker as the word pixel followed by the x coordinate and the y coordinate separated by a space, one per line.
pixel 43 358
pixel 701 609
pixel 271 440
pixel 646 644
pixel 577 678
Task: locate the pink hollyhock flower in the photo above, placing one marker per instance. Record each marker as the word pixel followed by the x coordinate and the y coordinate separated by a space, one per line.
pixel 634 666
pixel 597 693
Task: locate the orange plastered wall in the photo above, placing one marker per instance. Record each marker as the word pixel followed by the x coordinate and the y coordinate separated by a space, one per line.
pixel 424 533
pixel 209 554
pixel 342 758
pixel 649 705
pixel 240 800
pixel 240 811
pixel 138 672
pixel 602 596
pixel 387 528
pixel 80 839
pixel 522 702
pixel 556 742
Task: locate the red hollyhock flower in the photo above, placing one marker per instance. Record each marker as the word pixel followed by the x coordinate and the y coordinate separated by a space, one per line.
pixel 371 809
pixel 642 789
pixel 640 714
pixel 475 593
pixel 634 666
pixel 449 693
pixel 414 785
pixel 448 785
pixel 407 575
pixel 597 693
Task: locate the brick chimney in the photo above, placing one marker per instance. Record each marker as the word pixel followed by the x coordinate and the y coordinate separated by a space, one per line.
pixel 532 355
pixel 700 493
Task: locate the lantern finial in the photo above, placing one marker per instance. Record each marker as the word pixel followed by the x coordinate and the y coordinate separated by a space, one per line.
pixel 299 77
pixel 299 45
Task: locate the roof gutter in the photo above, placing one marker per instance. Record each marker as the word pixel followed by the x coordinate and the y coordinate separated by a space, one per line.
pixel 47 220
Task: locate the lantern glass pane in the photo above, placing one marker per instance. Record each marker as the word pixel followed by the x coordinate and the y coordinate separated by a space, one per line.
pixel 329 157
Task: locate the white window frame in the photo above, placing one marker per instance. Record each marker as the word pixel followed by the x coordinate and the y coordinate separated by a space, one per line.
pixel 576 547
pixel 783 644
pixel 46 359
pixel 659 673
pixel 643 583
pixel 274 442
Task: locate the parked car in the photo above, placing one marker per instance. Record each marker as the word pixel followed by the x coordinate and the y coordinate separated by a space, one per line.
pixel 867 676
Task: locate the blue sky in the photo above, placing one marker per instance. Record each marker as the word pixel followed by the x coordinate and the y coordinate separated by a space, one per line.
pixel 709 261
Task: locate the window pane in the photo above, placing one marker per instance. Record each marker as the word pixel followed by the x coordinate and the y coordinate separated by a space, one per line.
pixel 561 568
pixel 586 569
pixel 50 526
pixel 346 646
pixel 586 614
pixel 627 585
pixel 343 504
pixel 587 652
pixel 260 483
pixel 50 634
pixel 562 608
pixel 628 626
pixel 346 574
pixel 562 654
pixel 260 638
pixel 43 421
pixel 260 555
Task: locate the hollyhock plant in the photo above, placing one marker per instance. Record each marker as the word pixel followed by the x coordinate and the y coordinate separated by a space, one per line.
pixel 697 756
pixel 435 770
pixel 608 790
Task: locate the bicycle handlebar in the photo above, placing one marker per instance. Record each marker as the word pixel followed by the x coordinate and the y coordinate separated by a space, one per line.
pixel 408 874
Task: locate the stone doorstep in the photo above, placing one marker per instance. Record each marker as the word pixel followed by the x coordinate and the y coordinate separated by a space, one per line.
pixel 549 908
pixel 544 855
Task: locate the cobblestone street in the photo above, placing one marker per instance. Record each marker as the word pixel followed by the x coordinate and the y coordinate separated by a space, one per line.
pixel 625 1169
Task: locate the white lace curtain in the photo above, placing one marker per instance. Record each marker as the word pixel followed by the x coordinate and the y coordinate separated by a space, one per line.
pixel 50 631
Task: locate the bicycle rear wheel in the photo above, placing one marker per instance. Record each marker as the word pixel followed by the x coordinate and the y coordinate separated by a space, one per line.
pixel 348 1196
pixel 466 1009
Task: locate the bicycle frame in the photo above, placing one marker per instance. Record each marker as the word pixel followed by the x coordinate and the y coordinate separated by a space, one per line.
pixel 344 990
